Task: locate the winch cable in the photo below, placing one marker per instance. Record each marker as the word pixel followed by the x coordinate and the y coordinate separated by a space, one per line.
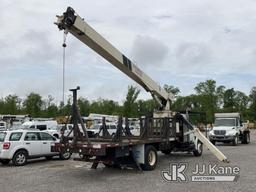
pixel 64 45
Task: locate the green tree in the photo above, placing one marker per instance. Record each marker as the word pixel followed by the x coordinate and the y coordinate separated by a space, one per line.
pixel 84 106
pixel 2 111
pixel 171 89
pixel 12 104
pixel 252 107
pixel 220 90
pixel 65 109
pixel 191 102
pixel 229 100
pixel 146 107
pixel 241 101
pixel 105 106
pixel 109 106
pixel 52 111
pixel 130 105
pixel 209 97
pixel 33 104
pixel 95 107
pixel 50 108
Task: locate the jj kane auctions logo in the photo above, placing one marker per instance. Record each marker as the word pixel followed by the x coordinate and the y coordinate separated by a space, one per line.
pixel 178 172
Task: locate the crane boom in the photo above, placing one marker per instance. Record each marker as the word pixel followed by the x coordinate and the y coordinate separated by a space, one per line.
pixel 74 24
pixel 184 132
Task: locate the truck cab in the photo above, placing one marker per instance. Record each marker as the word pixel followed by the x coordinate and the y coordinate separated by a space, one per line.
pixel 228 128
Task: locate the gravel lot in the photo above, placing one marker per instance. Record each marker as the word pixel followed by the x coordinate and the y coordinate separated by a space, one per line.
pixel 41 175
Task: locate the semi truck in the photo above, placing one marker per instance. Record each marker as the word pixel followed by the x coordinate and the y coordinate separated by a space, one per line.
pixel 228 128
pixel 165 131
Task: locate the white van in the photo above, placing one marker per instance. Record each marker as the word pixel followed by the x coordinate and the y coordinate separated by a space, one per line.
pixel 51 127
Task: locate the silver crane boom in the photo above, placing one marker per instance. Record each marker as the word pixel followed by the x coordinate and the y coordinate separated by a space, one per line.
pixel 74 24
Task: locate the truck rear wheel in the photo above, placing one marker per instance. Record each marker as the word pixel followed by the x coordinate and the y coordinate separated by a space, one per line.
pixel 150 158
pixel 246 138
pixel 199 150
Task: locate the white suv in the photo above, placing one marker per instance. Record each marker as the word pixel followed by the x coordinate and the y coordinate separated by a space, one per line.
pixel 21 145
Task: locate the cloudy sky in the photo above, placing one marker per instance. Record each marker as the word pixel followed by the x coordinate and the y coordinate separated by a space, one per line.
pixel 176 42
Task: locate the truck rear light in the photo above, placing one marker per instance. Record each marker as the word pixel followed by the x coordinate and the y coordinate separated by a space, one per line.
pixel 6 145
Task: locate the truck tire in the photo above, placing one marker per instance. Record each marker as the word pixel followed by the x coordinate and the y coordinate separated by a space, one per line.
pixel 20 158
pixel 5 161
pixel 235 141
pixel 198 152
pixel 150 158
pixel 65 155
pixel 246 138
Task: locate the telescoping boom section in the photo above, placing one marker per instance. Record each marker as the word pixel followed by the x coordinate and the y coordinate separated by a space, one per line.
pixel 74 24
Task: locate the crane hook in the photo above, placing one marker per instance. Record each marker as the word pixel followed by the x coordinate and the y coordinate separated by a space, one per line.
pixel 64 38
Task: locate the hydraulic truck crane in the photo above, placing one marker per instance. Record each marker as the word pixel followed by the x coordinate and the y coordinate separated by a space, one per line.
pixel 167 131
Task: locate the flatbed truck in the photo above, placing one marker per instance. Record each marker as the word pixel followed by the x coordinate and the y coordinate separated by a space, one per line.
pixel 166 131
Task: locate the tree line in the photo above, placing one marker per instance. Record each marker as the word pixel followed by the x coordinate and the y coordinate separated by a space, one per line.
pixel 208 98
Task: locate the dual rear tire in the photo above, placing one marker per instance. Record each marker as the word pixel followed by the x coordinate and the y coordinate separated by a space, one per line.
pixel 150 158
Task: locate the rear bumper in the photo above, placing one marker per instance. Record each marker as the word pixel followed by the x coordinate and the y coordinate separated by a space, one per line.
pixel 5 154
pixel 221 138
pixel 90 150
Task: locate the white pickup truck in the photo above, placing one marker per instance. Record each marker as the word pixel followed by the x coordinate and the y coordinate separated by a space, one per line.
pixel 228 128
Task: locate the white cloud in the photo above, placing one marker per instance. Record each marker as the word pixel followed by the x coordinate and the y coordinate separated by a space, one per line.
pixel 148 51
pixel 179 43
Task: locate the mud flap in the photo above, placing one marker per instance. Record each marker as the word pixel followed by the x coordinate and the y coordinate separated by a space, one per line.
pixel 139 153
